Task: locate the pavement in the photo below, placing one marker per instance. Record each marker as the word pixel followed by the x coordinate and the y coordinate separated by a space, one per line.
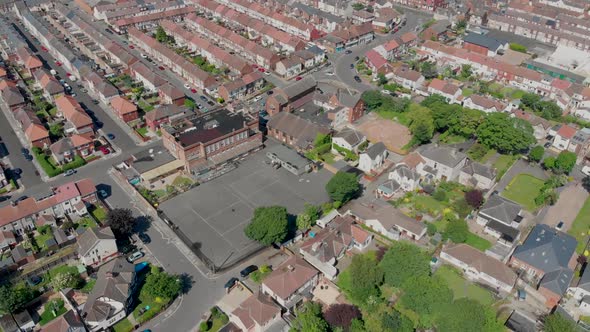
pixel 571 199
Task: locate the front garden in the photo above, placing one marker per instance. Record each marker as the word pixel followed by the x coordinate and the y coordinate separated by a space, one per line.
pixel 523 189
pixel 580 229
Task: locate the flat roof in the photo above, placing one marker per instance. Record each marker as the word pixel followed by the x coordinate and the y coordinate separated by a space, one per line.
pixel 288 155
pixel 208 127
pixel 150 159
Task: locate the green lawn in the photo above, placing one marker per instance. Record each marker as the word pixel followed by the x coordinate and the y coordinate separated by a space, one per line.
pixel 87 222
pixel 155 306
pixel 62 269
pixel 88 286
pixel 181 181
pixel 478 242
pixel 123 326
pixel 142 131
pixel 581 227
pixel 523 189
pixel 452 139
pixel 98 213
pixel 428 203
pixel 467 92
pixel 47 315
pixel 42 238
pixel 328 158
pixel 503 163
pixel 464 288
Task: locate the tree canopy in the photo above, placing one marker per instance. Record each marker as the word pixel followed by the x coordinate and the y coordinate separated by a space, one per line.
pixel 421 124
pixel 396 322
pixel 457 230
pixel 427 296
pixel 505 134
pixel 402 262
pixel 14 298
pixel 536 153
pixel 64 280
pixel 121 221
pixel 307 218
pixel 365 277
pixel 269 225
pixel 343 187
pixel 161 284
pixel 474 198
pixel 557 323
pixel 465 314
pixel 565 162
pixel 341 315
pixel 309 319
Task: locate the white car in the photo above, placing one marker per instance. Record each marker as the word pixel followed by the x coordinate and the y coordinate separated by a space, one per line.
pixel 586 170
pixel 143 55
pixel 186 86
pixel 135 256
pixel 53 72
pixel 329 73
pixel 266 72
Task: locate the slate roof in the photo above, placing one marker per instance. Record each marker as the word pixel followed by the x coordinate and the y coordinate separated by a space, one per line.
pixel 376 149
pixel 501 209
pixel 480 169
pixel 405 172
pixel 490 43
pixel 12 96
pixel 93 235
pixel 546 249
pixel 299 87
pixel 351 136
pixel 303 131
pixel 557 281
pixel 444 155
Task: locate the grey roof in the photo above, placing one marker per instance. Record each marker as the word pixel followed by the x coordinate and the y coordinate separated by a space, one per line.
pixel 303 131
pixel 61 146
pixel 351 136
pixel 500 209
pixel 60 236
pixel 444 155
pixel 50 243
pixel 19 252
pixel 480 169
pixel 405 172
pixel 519 322
pixel 91 236
pixel 546 249
pixel 348 98
pixel 317 12
pixel 289 156
pixel 114 282
pixel 376 149
pixel 8 324
pixel 12 96
pixel 144 161
pixel 441 26
pixel 557 281
pixel 389 186
pixel 23 318
pixel 315 50
pixel 490 43
pixel 299 87
pixel 508 233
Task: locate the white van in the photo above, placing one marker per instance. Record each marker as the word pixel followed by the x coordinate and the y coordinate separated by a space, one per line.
pixel 53 72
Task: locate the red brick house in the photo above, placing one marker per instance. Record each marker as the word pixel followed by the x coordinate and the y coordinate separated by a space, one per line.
pixel 78 121
pixel 125 110
pixel 38 136
pixel 287 98
pixel 161 115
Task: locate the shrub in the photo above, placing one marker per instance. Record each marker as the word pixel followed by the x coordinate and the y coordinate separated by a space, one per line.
pixel 440 195
pixel 204 326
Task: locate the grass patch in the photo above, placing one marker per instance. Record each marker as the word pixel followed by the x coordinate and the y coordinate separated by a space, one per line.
pixel 467 92
pixel 523 189
pixel 52 306
pixel 87 222
pixel 160 193
pixel 41 240
pixel 428 203
pixel 88 286
pixel 62 269
pixel 581 227
pixel 517 94
pixel 503 163
pixel 182 181
pixel 142 131
pixel 452 139
pixel 478 242
pixel 464 288
pixel 328 158
pixel 478 152
pixel 98 212
pixel 145 106
pixel 123 326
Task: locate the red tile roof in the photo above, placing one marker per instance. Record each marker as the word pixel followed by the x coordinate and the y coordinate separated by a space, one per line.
pixel 566 131
pixel 375 59
pixel 122 105
pixel 36 132
pixel 289 277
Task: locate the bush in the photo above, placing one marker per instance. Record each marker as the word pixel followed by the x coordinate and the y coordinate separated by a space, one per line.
pixel 76 163
pixel 518 47
pixel 440 195
pixel 204 326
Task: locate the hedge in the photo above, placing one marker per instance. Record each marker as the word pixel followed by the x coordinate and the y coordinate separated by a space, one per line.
pixel 43 161
pixel 77 162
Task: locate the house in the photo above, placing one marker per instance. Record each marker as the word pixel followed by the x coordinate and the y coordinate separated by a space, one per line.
pixel 7 239
pixel 485 104
pixel 294 131
pixel 46 219
pixel 97 246
pixel 290 282
pixel 581 293
pixel 388 189
pixel 78 121
pixel 564 135
pixel 112 296
pixel 408 78
pixel 169 94
pixel 292 96
pixel 102 89
pixel 49 84
pixel 373 158
pixel 437 31
pixel 37 135
pixel 377 63
pixel 256 313
pixel 163 114
pixel 11 97
pixel 331 243
pixel 8 324
pixel 241 87
pixel 348 139
pixel 66 149
pixel 548 257
pixel 386 220
pixel 65 199
pixel 479 267
pixel 483 44
pixel 29 61
pixel 580 143
pixel 350 105
pixel 24 320
pixel 289 67
pixel 501 219
pixel 442 163
pixel 124 109
pixel 446 89
pixel 68 322
pixel 478 175
pixel 289 159
pixel 406 178
pixel 540 126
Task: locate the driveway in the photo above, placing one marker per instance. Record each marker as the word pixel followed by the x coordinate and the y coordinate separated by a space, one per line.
pixel 519 167
pixel 571 200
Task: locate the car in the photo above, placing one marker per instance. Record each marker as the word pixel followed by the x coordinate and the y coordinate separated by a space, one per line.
pixel 356 58
pixel 102 193
pixel 44 48
pixel 210 103
pixel 135 256
pixel 193 90
pixel 69 172
pixel 22 198
pixel 352 66
pixel 298 78
pixel 254 65
pixel 231 282
pixel 261 70
pixel 34 280
pixel 347 51
pixel 85 90
pixel 143 237
pixel 246 272
pixel 143 56
pixel 547 145
pixel 199 106
pixel 161 68
pixel 111 136
pixel 95 102
pixel 270 92
pixel 104 150
pixel 131 47
pixel 53 72
pixel 17 171
pixel 559 226
pixel 29 157
pixel 358 79
pixel 186 86
pixel 586 170
pixel 58 63
pixel 73 94
pixel 329 73
pixel 108 30
pixel 203 98
pixel 68 74
pixel 24 151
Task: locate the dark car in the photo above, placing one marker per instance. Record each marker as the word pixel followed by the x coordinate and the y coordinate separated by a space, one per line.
pixel 24 151
pixel 348 51
pixel 231 282
pixel 203 98
pixel 210 103
pixel 28 157
pixel 111 136
pixel 352 66
pixel 270 92
pixel 17 171
pixel 356 58
pixel 246 272
pixel 94 101
pixel 547 145
pixel 144 237
pixel 358 79
pixel 22 198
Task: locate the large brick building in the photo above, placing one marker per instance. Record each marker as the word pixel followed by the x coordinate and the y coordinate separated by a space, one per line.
pixel 204 142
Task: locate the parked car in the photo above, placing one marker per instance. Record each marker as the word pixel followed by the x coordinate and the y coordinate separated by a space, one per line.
pixel 17 171
pixel 246 272
pixel 95 102
pixel 231 282
pixel 131 46
pixel 358 79
pixel 143 56
pixel 28 157
pixel 559 226
pixel 193 90
pixel 270 92
pixel 352 66
pixel 135 256
pixel 53 72
pixel 24 151
pixel 69 172
pixel 547 145
pixel 102 193
pixel 22 198
pixel 356 58
pixel 298 78
pixel 210 103
pixel 144 238
pixel 161 68
pixel 111 136
pixel 347 51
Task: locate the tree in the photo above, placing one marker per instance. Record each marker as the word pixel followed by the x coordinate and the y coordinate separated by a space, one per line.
pixel 161 284
pixel 466 71
pixel 357 325
pixel 505 134
pixel 121 221
pixel 309 319
pixel 342 187
pixel 530 100
pixel 13 299
pixel 427 296
pixel 536 154
pixel 402 262
pixel 474 198
pixel 440 195
pixel 549 163
pixel 190 104
pixel 322 139
pixel 56 130
pixel 517 47
pixel 381 79
pixel 341 315
pixel 396 322
pixel 467 315
pixel 365 277
pixel 428 69
pixel 433 99
pixel 307 218
pixel 557 323
pixel 457 230
pixel 64 280
pixel 373 99
pixel 269 225
pixel 421 124
pixel 586 183
pixel 161 35
pixel 565 162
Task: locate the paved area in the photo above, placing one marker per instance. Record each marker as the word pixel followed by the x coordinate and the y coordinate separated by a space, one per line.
pixel 394 135
pixel 214 214
pixel 571 200
pixel 532 45
pixel 519 167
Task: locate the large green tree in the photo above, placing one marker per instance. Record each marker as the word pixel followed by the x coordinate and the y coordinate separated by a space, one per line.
pixel 404 261
pixel 465 314
pixel 161 284
pixel 505 134
pixel 343 187
pixel 269 225
pixel 457 230
pixel 536 153
pixel 309 319
pixel 565 162
pixel 365 276
pixel 308 217
pixel 161 35
pixel 64 280
pixel 421 124
pixel 121 221
pixel 14 298
pixel 396 322
pixel 427 296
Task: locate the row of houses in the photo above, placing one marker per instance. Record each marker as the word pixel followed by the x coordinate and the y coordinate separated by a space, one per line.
pixel 127 9
pixel 150 21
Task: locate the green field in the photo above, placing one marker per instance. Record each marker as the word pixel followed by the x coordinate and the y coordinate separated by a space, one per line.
pixel 464 288
pixel 581 226
pixel 478 242
pixel 523 189
pixel 503 163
